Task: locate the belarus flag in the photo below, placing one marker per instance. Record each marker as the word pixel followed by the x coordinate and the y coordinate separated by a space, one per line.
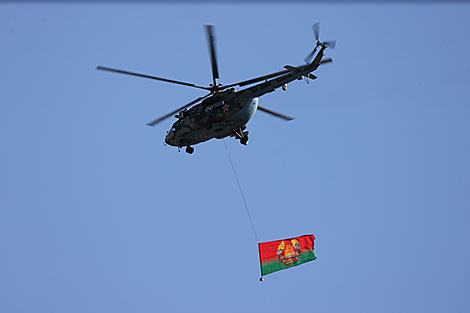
pixel 286 253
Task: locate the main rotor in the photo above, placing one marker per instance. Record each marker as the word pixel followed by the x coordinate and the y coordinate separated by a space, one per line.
pixel 216 87
pixel 215 70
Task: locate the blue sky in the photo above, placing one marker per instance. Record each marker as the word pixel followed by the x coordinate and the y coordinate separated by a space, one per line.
pixel 97 215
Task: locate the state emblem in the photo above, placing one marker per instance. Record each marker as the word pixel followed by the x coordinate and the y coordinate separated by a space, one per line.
pixel 288 252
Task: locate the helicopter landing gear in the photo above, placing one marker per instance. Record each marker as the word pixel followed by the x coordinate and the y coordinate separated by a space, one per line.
pixel 243 138
pixel 189 150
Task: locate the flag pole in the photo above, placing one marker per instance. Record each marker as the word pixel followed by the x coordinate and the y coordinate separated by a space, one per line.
pixel 260 265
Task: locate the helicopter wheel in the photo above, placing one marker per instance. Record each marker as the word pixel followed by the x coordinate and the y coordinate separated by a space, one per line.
pixel 244 140
pixel 189 150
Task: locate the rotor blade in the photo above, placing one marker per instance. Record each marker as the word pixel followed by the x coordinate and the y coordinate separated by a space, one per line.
pixel 309 57
pixel 266 110
pixel 160 119
pixel 103 68
pixel 327 60
pixel 256 79
pixel 211 39
pixel 330 44
pixel 316 30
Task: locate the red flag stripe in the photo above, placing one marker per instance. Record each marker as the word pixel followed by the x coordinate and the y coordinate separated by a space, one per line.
pixel 268 250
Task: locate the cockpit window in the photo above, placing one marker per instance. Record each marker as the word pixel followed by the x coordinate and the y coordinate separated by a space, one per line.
pixel 175 125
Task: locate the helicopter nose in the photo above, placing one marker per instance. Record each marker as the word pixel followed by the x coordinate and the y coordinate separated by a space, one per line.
pixel 169 139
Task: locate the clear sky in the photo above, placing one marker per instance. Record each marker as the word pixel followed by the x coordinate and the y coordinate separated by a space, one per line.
pixel 97 215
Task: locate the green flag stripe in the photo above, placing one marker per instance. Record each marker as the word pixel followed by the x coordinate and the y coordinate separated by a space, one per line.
pixel 274 266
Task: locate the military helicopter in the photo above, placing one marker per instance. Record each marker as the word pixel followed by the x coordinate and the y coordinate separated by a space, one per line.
pixel 224 111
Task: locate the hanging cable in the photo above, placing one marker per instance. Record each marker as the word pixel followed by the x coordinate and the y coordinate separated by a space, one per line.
pixel 241 192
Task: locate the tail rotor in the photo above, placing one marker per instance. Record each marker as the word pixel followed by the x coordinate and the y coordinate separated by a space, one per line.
pixel 330 44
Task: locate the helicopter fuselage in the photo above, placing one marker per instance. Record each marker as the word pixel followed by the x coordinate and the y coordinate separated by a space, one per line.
pixel 226 113
pixel 215 120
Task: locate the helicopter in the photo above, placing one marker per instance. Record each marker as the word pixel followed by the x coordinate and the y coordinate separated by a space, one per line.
pixel 225 111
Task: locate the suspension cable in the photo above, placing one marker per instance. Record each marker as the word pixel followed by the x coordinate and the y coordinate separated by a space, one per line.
pixel 241 191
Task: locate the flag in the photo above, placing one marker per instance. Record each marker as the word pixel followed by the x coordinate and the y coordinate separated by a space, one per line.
pixel 286 253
